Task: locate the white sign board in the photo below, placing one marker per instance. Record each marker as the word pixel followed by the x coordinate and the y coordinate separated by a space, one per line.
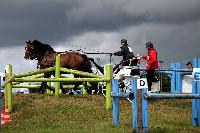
pixel 142 83
pixel 196 73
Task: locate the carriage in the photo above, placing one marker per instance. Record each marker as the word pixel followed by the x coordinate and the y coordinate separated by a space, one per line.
pixel 74 60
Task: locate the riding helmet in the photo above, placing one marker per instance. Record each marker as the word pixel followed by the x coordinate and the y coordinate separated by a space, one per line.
pixel 149 45
pixel 124 41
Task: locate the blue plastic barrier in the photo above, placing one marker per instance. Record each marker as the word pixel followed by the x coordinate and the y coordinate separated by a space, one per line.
pixel 195 96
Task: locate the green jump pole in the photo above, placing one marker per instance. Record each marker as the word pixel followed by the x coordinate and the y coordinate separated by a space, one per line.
pixel 49 84
pixel 108 86
pixel 62 80
pixel 34 76
pixel 85 74
pixel 8 88
pixel 50 69
pixel 57 74
pixel 26 86
pixel 38 75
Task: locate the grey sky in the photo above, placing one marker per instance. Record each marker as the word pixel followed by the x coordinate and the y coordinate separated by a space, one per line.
pixel 99 25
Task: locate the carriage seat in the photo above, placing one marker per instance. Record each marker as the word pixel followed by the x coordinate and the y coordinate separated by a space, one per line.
pixel 129 71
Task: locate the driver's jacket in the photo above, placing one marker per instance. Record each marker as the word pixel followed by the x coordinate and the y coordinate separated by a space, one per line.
pixel 126 52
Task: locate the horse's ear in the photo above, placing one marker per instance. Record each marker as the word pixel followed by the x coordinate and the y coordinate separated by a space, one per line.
pixel 28 42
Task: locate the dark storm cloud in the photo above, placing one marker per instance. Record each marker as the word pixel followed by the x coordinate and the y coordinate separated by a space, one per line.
pixel 21 20
pixel 175 43
pixel 54 21
pixel 116 14
pixel 172 25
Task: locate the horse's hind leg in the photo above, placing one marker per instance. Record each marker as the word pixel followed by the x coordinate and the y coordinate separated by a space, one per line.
pixel 61 87
pixel 50 88
pixel 94 87
pixel 75 88
pixel 43 87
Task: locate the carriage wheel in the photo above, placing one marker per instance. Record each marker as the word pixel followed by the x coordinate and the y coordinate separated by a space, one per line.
pixel 125 88
pixel 102 88
pixel 128 90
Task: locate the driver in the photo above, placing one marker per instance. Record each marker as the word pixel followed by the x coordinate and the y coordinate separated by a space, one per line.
pixel 126 52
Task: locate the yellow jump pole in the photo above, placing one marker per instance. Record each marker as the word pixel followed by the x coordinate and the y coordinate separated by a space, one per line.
pixel 109 75
pixel 57 74
pixel 8 88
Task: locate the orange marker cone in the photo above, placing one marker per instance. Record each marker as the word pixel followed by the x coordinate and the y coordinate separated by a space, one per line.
pixel 7 115
pixel 2 118
pixel 2 113
pixel 2 122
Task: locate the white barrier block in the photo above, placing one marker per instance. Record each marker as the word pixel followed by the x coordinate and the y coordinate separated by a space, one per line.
pixel 187 84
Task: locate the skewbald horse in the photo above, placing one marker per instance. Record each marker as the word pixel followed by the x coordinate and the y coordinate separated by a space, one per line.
pixel 45 55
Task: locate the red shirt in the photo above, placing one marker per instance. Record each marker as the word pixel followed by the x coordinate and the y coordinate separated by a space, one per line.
pixel 152 61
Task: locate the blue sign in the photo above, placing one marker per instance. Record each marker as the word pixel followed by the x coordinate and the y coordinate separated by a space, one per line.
pixel 196 73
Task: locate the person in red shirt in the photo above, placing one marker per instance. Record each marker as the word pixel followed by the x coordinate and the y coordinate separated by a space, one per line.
pixel 151 64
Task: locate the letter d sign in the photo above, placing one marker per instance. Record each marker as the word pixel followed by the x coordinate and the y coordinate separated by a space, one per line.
pixel 142 83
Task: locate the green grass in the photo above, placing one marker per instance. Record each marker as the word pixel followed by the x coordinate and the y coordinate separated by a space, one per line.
pixel 36 113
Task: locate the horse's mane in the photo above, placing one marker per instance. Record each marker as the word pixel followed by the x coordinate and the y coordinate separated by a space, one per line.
pixel 88 64
pixel 43 47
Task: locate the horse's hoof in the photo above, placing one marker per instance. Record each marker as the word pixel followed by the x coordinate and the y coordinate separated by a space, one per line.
pixel 95 92
pixel 63 91
pixel 42 92
pixel 89 91
pixel 71 93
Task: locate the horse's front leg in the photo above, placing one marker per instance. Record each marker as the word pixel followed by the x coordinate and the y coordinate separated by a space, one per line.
pixel 50 88
pixel 42 87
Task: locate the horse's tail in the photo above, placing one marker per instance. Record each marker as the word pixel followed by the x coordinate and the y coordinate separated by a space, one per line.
pixel 88 65
pixel 101 69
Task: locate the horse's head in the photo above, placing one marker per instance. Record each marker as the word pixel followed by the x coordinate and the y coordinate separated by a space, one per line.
pixel 29 51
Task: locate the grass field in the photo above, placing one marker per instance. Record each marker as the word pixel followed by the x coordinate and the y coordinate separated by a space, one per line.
pixel 36 113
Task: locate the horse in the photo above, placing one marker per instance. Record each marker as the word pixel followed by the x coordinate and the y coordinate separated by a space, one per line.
pixel 45 55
